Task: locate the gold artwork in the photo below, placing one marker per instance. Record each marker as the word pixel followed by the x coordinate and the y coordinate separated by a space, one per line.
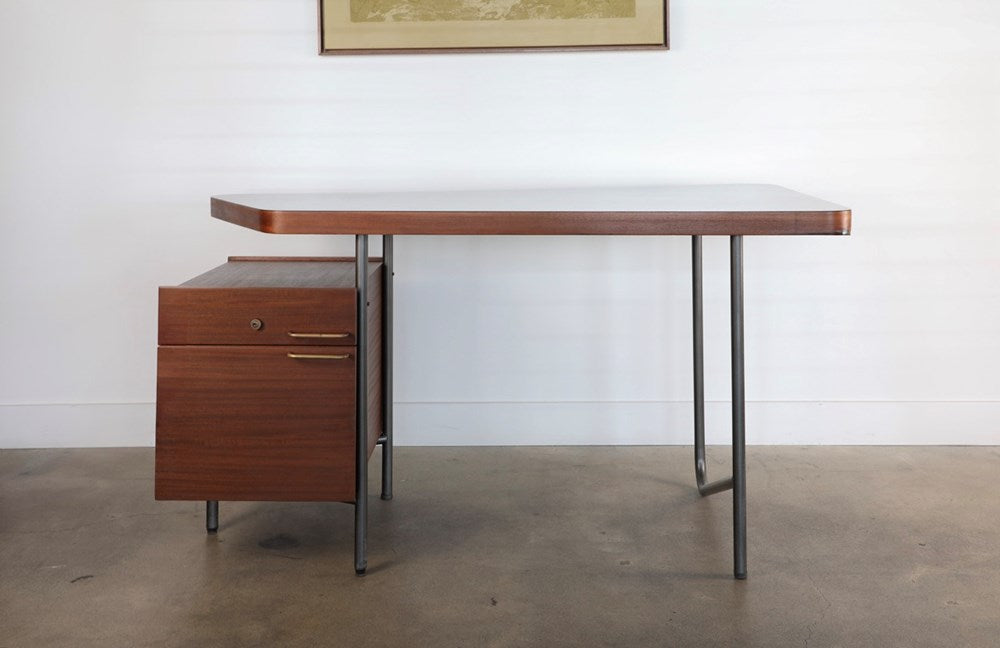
pixel 425 10
pixel 358 26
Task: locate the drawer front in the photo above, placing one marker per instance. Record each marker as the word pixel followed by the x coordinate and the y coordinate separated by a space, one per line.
pixel 303 316
pixel 252 423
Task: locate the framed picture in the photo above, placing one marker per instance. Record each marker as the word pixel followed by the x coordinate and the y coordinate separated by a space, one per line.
pixel 400 26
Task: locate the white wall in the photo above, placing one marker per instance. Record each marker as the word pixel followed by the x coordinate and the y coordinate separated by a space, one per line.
pixel 119 118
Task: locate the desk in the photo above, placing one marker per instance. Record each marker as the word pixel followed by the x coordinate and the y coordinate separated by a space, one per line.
pixel 679 210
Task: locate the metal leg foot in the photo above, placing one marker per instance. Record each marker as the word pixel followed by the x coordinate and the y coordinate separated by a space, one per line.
pixel 361 410
pixel 212 516
pixel 387 448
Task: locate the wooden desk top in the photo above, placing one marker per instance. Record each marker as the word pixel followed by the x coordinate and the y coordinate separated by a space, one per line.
pixel 669 209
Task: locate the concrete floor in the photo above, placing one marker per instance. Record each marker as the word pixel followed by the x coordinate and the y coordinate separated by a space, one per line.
pixel 514 547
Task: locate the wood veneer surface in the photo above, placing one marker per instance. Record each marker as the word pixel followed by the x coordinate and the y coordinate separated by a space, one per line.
pixel 744 209
pixel 238 421
pixel 277 273
pixel 286 296
pixel 250 423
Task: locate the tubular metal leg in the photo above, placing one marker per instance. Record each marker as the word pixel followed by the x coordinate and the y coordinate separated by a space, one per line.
pixel 361 410
pixel 738 481
pixel 739 408
pixel 700 467
pixel 387 369
pixel 212 516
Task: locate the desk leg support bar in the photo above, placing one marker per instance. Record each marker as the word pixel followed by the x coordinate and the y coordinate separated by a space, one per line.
pixel 738 481
pixel 386 439
pixel 700 467
pixel 361 415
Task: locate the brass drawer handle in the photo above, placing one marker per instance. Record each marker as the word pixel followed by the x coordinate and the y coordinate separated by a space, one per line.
pixel 318 335
pixel 318 356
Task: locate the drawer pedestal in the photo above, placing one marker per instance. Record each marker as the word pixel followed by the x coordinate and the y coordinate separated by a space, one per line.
pixel 257 381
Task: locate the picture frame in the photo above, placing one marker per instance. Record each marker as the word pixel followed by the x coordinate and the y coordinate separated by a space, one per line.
pixel 443 26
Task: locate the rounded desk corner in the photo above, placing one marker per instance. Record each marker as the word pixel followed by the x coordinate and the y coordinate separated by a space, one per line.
pixel 269 222
pixel 842 222
pixel 262 220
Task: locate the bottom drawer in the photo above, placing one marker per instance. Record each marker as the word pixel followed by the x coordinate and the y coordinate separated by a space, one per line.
pixel 253 423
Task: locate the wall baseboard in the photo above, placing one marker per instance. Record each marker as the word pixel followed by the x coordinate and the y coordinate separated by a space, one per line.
pixel 624 423
pixel 89 425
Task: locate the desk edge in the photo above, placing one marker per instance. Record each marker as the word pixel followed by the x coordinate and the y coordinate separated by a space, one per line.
pixel 682 223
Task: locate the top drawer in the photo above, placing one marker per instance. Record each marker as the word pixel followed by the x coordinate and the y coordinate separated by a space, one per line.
pixel 267 301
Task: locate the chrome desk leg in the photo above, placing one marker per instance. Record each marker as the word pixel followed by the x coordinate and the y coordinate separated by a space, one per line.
pixel 738 481
pixel 386 439
pixel 700 467
pixel 739 408
pixel 361 410
pixel 212 516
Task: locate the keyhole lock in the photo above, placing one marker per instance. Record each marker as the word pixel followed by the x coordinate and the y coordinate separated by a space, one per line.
pixel 256 324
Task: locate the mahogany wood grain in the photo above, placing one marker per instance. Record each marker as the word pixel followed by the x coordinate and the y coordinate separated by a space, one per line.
pixel 271 259
pixel 224 315
pixel 286 296
pixel 663 210
pixel 287 272
pixel 250 423
pixel 245 422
